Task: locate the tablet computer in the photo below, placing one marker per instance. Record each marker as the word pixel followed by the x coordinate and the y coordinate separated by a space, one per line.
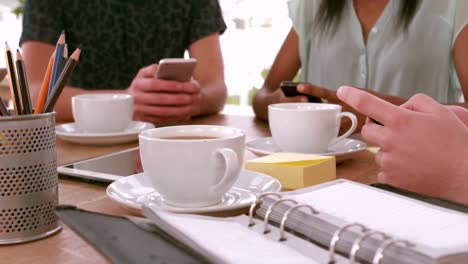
pixel 105 169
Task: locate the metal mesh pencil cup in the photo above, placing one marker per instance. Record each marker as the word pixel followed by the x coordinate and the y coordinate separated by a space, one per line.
pixel 28 178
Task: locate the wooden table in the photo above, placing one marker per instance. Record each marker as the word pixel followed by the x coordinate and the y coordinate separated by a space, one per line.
pixel 67 247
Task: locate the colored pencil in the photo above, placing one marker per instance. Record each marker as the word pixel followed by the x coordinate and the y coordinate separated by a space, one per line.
pixel 15 94
pixel 65 57
pixel 23 84
pixel 57 61
pixel 44 92
pixel 62 80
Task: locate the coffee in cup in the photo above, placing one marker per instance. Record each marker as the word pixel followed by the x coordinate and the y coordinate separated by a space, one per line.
pixel 307 127
pixel 193 165
pixel 102 113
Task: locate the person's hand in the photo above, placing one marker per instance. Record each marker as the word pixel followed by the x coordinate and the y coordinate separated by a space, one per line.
pixel 332 98
pixel 461 112
pixel 163 102
pixel 281 98
pixel 424 145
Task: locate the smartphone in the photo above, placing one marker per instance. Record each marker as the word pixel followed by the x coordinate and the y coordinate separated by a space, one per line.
pixel 290 89
pixel 176 69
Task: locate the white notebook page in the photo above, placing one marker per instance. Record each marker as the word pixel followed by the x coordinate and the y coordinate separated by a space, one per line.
pixel 234 242
pixel 401 218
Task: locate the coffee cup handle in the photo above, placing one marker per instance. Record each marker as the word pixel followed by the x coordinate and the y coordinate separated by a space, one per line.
pixel 231 171
pixel 350 130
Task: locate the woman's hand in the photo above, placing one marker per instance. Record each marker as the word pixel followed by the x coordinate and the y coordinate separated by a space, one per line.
pixel 332 98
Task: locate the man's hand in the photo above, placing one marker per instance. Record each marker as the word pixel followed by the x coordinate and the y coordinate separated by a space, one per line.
pixel 161 101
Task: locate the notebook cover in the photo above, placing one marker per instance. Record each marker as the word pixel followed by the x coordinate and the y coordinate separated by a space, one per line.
pixel 123 241
pixel 425 198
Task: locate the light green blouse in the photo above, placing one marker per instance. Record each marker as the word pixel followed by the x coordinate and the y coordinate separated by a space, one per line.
pixel 392 61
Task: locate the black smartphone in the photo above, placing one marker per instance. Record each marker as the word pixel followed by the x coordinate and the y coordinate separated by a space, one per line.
pixel 290 89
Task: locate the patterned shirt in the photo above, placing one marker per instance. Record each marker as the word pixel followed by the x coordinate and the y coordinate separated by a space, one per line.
pixel 119 37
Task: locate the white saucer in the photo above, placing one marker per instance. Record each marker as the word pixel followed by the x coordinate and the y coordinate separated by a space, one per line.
pixel 342 150
pixel 133 191
pixel 70 133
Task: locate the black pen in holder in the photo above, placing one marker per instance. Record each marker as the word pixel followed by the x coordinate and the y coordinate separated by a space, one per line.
pixel 28 178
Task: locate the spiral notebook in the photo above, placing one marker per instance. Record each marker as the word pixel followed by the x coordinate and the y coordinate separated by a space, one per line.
pixel 335 222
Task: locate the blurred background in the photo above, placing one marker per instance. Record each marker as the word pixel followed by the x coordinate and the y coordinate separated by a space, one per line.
pixel 256 30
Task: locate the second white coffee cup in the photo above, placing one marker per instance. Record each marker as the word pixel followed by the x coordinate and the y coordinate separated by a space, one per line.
pixel 102 113
pixel 194 165
pixel 307 127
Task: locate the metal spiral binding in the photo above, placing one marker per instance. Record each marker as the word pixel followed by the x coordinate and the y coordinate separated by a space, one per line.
pixel 266 229
pixel 357 243
pixel 286 215
pixel 336 238
pixel 254 204
pixel 379 253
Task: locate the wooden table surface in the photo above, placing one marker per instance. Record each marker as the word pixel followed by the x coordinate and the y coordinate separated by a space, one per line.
pixel 67 247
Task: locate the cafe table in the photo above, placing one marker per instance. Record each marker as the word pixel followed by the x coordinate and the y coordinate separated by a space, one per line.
pixel 68 247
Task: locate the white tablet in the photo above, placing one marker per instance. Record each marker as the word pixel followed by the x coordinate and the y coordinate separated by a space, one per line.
pixel 106 168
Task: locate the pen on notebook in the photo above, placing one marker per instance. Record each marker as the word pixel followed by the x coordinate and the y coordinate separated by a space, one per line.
pixel 15 95
pixel 3 108
pixel 57 61
pixel 62 80
pixel 23 84
pixel 44 92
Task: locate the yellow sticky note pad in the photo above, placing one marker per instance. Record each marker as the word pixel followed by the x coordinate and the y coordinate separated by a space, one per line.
pixel 295 170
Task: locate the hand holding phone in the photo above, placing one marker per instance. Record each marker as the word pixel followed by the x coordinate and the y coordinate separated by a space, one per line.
pixel 290 89
pixel 176 69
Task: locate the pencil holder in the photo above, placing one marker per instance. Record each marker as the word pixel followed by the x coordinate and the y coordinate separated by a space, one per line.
pixel 28 178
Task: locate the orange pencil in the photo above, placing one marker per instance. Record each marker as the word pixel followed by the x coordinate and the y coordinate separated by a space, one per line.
pixel 42 98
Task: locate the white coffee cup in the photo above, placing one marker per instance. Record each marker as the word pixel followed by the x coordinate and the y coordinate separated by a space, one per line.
pixel 194 165
pixel 102 113
pixel 307 127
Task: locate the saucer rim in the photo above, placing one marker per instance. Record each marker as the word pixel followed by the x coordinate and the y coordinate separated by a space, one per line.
pixel 336 154
pixel 102 135
pixel 137 207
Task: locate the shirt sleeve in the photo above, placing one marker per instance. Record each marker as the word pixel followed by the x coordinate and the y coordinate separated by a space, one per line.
pixel 461 17
pixel 302 15
pixel 207 19
pixel 42 21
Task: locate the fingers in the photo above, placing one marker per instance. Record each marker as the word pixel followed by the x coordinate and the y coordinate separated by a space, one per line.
pixel 164 112
pixel 461 112
pixel 292 99
pixel 164 99
pixel 423 103
pixel 369 105
pixel 307 88
pixel 148 71
pixel 157 85
pixel 377 135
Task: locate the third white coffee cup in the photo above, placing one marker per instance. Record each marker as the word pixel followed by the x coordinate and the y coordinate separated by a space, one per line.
pixel 307 127
pixel 194 165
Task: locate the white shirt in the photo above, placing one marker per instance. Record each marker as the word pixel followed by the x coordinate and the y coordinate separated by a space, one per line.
pixel 391 62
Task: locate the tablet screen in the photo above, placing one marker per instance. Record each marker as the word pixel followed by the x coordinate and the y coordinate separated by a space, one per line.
pixel 105 168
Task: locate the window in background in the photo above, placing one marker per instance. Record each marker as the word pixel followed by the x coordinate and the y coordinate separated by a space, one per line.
pixel 10 27
pixel 256 30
